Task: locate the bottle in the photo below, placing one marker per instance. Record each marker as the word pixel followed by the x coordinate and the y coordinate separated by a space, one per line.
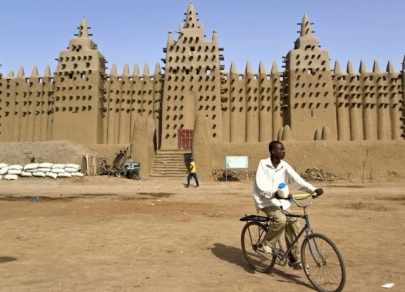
pixel 283 191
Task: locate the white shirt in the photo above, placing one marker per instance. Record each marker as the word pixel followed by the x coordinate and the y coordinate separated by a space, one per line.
pixel 267 180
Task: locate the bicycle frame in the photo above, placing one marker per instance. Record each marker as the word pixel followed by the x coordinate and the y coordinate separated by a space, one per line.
pixel 307 228
pixel 322 262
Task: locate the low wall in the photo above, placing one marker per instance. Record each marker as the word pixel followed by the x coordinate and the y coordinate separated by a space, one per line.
pixel 354 160
pixel 53 151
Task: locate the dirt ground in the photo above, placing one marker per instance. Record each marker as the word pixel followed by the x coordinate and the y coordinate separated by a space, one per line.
pixel 111 234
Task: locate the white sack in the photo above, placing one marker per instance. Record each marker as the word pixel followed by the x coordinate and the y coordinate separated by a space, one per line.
pixel 2 165
pixel 75 166
pixel 26 174
pixel 14 171
pixel 69 169
pixel 51 174
pixel 64 174
pixel 44 169
pixel 79 174
pixel 18 167
pixel 31 166
pixel 31 170
pixel 38 174
pixel 4 170
pixel 45 165
pixel 58 170
pixel 11 177
pixel 59 166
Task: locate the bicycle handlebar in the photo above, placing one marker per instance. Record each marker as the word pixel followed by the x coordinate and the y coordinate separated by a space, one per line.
pixel 304 196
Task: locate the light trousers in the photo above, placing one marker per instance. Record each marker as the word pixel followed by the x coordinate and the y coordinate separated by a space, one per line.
pixel 281 222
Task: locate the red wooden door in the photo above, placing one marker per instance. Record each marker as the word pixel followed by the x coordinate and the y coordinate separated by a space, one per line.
pixel 185 138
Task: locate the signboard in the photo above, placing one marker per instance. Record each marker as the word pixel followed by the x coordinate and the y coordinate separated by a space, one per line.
pixel 134 166
pixel 236 162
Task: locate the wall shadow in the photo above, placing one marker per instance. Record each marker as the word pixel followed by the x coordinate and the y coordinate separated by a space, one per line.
pixel 7 259
pixel 235 256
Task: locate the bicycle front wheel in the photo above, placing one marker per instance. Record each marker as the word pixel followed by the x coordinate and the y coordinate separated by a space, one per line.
pixel 323 263
pixel 252 237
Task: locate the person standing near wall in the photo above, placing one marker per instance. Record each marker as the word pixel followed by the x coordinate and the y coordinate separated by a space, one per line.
pixel 192 173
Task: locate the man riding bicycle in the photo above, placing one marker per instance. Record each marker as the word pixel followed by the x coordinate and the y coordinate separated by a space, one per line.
pixel 270 173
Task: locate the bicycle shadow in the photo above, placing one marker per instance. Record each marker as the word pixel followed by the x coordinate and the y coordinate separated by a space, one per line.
pixel 232 255
pixel 7 259
pixel 235 256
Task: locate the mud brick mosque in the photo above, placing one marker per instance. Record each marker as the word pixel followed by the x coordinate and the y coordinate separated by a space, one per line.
pixel 308 101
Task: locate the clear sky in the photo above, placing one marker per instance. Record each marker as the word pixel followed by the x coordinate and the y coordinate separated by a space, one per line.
pixel 133 31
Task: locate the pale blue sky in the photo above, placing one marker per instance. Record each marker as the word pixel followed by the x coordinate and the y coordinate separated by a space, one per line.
pixel 129 31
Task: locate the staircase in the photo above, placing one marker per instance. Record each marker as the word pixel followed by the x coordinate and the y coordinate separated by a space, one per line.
pixel 171 163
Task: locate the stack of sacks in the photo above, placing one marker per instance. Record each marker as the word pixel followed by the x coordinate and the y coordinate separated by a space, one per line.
pixel 29 169
pixel 67 170
pixel 11 172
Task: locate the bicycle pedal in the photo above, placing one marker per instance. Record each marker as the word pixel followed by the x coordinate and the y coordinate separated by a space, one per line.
pixel 281 259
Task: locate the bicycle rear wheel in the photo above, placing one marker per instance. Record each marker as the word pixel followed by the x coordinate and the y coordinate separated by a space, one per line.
pixel 323 263
pixel 252 237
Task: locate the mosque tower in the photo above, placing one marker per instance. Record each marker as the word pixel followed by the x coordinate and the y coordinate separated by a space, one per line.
pixel 79 91
pixel 192 82
pixel 308 89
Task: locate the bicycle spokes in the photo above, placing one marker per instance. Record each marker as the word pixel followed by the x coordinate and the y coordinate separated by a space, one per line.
pixel 316 253
pixel 323 263
pixel 252 236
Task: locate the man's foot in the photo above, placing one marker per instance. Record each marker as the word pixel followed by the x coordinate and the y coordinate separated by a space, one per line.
pixel 296 265
pixel 267 248
pixel 196 186
pixel 186 186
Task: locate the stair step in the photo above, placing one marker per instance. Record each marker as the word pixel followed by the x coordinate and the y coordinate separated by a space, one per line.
pixel 173 153
pixel 166 165
pixel 168 171
pixel 170 163
pixel 166 175
pixel 170 168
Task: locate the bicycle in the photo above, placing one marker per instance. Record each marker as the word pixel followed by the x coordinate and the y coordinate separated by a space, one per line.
pixel 322 261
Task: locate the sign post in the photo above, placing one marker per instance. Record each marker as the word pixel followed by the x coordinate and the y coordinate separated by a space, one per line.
pixel 132 166
pixel 237 162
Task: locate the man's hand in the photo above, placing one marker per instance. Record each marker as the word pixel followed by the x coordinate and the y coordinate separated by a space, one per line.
pixel 277 196
pixel 318 192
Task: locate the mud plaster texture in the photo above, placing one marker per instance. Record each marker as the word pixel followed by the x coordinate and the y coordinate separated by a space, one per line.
pixel 109 152
pixel 53 152
pixel 201 148
pixel 142 145
pixel 360 160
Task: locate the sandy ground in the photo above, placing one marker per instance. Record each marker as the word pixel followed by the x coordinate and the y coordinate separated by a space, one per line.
pixel 110 234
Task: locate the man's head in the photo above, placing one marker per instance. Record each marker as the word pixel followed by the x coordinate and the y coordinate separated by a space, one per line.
pixel 192 158
pixel 276 149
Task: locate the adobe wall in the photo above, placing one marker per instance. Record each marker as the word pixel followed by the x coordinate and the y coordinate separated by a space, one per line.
pixel 26 106
pixel 251 104
pixel 369 104
pixel 129 95
pixel 369 159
